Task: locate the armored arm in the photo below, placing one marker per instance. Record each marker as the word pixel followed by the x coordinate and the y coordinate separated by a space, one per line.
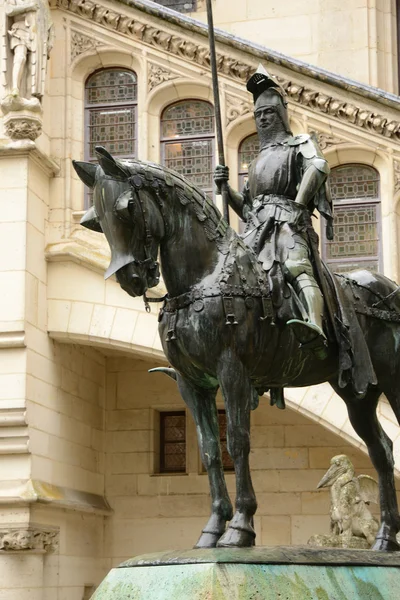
pixel 239 202
pixel 314 169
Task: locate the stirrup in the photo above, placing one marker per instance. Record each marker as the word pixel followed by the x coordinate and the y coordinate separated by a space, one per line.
pixel 310 336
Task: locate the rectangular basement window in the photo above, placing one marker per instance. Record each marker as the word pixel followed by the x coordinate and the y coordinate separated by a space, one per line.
pixel 173 442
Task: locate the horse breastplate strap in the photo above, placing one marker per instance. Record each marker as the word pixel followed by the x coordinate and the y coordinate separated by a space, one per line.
pixel 197 295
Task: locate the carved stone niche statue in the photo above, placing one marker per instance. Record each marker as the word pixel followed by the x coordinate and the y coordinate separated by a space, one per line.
pixel 27 42
pixel 352 524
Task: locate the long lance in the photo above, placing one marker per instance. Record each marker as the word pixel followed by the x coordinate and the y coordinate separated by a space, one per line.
pixel 217 105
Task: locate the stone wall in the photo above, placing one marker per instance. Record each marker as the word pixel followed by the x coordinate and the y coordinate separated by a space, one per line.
pixel 155 512
pixel 355 39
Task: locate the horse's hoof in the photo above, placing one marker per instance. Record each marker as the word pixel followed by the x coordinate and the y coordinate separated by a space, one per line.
pixel 386 545
pixel 208 540
pixel 237 538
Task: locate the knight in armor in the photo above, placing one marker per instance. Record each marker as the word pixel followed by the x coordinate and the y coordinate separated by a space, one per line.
pixel 286 182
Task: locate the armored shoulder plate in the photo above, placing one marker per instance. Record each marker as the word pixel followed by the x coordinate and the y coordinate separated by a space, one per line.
pixel 309 149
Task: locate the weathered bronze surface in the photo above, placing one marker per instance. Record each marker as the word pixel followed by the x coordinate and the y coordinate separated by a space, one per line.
pixel 255 574
pixel 274 555
pixel 232 318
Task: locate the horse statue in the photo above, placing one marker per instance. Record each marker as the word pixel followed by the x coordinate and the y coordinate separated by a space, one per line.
pixel 219 329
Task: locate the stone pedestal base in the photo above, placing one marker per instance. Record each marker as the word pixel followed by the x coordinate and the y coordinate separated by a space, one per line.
pixel 256 574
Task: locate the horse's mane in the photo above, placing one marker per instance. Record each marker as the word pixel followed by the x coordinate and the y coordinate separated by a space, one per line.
pixel 143 174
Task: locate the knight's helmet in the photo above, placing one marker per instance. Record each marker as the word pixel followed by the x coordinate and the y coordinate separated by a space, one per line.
pixel 266 90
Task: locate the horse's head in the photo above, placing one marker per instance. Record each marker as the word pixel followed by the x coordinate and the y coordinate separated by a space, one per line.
pixel 124 209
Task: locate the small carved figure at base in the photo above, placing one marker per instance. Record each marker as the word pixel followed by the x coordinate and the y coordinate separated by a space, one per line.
pixel 352 524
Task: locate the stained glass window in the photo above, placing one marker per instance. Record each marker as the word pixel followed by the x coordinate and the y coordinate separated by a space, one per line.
pixel 357 227
pixel 248 151
pixel 110 100
pixel 173 442
pixel 187 138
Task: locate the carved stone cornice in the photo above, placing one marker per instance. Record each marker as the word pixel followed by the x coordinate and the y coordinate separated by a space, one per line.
pixel 82 43
pixel 326 140
pixel 24 538
pixel 158 75
pixel 235 108
pixel 193 52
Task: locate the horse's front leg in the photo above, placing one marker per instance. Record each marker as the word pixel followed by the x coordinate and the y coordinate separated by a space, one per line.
pixel 237 392
pixel 201 403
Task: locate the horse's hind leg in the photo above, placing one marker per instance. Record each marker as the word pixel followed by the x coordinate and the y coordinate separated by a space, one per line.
pixel 201 403
pixel 362 414
pixel 237 392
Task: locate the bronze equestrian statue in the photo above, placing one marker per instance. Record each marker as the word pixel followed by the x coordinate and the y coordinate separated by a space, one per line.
pixel 243 318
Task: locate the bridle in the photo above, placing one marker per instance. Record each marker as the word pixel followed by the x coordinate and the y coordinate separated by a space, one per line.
pixel 149 264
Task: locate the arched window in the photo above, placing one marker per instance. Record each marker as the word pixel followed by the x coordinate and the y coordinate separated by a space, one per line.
pixel 111 113
pixel 357 222
pixel 248 151
pixel 187 141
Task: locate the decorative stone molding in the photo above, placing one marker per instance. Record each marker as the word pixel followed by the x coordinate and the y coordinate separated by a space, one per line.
pixel 22 127
pixel 33 491
pixel 236 108
pixel 326 140
pixel 12 339
pixel 229 66
pixel 158 75
pixel 82 43
pixel 21 539
pixel 396 173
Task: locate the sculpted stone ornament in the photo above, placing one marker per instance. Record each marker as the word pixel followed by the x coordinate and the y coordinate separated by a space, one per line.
pixel 352 524
pixel 28 538
pixel 235 309
pixel 27 43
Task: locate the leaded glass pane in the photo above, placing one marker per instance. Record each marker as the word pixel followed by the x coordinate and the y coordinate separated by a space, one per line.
pixel 111 86
pixel 193 159
pixel 354 181
pixel 114 128
pixel 356 243
pixel 248 151
pixel 188 118
pixel 172 442
pixel 356 232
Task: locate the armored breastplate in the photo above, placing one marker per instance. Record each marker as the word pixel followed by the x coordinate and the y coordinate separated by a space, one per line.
pixel 273 172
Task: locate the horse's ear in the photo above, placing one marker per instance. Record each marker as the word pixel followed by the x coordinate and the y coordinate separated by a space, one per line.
pixel 90 220
pixel 109 165
pixel 86 172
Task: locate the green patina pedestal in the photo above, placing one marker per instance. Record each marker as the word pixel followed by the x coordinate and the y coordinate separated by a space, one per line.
pixel 280 573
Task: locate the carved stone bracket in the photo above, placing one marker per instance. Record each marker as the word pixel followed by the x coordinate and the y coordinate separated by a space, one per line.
pixel 229 66
pixel 82 43
pixel 158 75
pixel 396 172
pixel 26 538
pixel 236 108
pixel 326 140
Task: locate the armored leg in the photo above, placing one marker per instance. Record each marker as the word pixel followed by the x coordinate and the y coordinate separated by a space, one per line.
pixel 311 297
pixel 300 273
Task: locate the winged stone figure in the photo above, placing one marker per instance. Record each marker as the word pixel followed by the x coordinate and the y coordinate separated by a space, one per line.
pixel 352 524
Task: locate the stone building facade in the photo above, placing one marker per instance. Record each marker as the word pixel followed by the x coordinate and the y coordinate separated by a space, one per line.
pixel 81 483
